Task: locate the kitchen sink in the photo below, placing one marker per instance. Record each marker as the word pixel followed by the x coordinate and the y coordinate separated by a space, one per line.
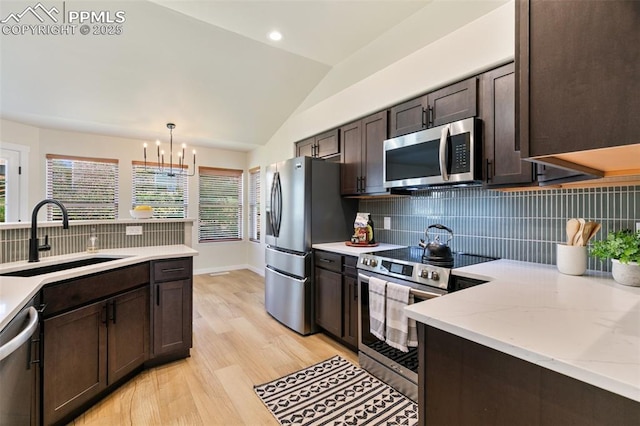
pixel 32 272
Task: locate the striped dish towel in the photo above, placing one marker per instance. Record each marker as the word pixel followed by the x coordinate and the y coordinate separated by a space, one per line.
pixel 397 320
pixel 376 306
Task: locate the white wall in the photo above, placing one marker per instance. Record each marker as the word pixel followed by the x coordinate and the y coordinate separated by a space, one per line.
pixel 481 45
pixel 212 257
pixel 18 134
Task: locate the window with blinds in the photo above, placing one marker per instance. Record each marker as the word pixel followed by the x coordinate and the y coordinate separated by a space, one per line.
pixel 220 210
pixel 88 187
pixel 254 204
pixel 153 186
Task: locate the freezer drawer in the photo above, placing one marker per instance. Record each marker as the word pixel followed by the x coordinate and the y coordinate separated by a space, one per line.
pixel 293 264
pixel 290 301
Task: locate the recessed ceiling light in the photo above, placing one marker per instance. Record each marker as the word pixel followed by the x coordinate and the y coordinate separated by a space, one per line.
pixel 275 35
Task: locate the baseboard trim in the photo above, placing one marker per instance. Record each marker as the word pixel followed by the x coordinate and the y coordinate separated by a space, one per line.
pixel 228 268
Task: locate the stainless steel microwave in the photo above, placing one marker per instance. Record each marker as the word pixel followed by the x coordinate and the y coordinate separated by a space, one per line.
pixel 447 154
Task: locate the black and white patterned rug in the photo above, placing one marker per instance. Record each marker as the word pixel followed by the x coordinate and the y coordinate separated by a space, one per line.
pixel 336 392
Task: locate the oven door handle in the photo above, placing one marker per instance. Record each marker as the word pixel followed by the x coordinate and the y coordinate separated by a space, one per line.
pixel 362 277
pixel 424 294
pixel 420 293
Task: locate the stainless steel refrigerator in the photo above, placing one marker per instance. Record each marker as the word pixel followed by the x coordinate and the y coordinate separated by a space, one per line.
pixel 303 207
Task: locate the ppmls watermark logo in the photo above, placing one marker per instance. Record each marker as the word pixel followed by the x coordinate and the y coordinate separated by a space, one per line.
pixel 58 20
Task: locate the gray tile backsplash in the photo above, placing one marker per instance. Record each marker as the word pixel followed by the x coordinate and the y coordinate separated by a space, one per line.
pixel 519 225
pixel 14 243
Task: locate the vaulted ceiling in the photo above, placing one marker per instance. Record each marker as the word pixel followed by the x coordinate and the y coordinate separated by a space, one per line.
pixel 207 66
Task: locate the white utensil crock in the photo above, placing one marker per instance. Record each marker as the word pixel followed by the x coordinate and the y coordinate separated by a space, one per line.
pixel 571 260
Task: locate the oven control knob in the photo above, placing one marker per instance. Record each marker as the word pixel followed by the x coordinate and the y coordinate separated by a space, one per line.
pixel 424 273
pixel 434 276
pixel 373 263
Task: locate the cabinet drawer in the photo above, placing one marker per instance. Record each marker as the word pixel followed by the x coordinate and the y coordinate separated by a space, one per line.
pixel 69 294
pixel 172 269
pixel 327 260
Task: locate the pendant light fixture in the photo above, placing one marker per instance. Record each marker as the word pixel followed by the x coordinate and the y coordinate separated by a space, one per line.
pixel 180 166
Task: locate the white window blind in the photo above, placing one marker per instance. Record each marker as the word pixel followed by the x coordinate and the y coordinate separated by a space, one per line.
pixel 220 212
pixel 153 186
pixel 254 204
pixel 88 187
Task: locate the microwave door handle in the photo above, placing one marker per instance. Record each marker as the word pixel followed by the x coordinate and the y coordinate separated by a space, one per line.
pixel 444 139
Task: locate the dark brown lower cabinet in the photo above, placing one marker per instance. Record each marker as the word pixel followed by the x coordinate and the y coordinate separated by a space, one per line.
pixel 336 296
pixel 172 317
pixel 128 334
pixel 350 311
pixel 328 300
pixel 91 347
pixel 465 383
pixel 172 308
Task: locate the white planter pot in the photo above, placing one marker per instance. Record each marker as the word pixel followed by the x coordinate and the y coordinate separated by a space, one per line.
pixel 627 274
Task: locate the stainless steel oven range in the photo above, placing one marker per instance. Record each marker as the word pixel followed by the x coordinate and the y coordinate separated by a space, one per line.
pixel 403 266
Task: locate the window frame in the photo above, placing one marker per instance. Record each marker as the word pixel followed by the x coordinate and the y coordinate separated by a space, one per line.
pixel 142 169
pixel 206 234
pixel 254 223
pixel 67 198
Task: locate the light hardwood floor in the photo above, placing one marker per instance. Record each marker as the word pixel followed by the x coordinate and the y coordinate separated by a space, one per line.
pixel 236 345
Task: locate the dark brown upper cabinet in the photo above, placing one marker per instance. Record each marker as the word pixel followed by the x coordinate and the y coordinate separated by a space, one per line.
pixel 577 68
pixel 362 143
pixel 324 145
pixel 503 165
pixel 305 148
pixel 451 103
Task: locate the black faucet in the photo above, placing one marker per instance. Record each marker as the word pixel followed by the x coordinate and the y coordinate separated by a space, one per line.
pixel 34 246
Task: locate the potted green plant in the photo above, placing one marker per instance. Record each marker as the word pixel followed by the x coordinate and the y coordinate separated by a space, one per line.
pixel 623 248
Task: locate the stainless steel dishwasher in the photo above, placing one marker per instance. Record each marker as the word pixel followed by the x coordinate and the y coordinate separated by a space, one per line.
pixel 18 374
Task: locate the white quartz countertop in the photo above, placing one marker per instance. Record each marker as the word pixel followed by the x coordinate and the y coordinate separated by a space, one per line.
pixel 586 327
pixel 342 248
pixel 15 292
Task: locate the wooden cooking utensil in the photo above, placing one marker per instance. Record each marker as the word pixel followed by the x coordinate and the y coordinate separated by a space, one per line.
pixel 573 226
pixel 585 232
pixel 577 241
pixel 595 227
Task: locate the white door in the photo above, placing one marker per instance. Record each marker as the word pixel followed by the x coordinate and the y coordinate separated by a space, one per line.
pixel 10 198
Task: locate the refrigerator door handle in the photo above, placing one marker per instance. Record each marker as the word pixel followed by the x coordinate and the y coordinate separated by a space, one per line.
pixel 274 209
pixel 278 194
pixel 288 277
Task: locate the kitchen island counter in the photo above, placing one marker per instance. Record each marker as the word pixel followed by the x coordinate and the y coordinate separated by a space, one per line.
pixel 15 292
pixel 585 327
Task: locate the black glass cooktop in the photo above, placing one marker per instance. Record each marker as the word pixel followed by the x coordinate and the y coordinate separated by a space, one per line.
pixel 414 254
